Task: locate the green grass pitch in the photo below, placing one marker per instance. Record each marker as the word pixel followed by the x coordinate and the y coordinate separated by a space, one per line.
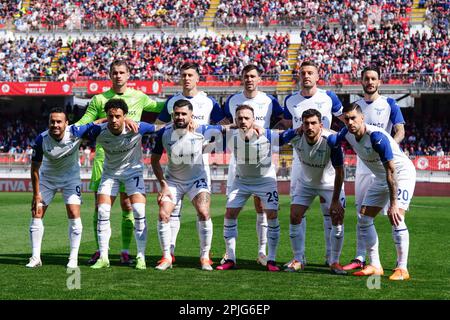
pixel 428 221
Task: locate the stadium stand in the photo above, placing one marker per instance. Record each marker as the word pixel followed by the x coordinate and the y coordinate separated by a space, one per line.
pixel 221 58
pixel 251 13
pixel 342 53
pixel 91 14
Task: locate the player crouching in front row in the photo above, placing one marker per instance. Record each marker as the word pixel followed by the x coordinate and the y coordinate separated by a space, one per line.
pixel 395 177
pixel 56 149
pixel 123 164
pixel 185 174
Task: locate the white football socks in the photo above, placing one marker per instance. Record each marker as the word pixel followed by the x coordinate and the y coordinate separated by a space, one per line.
pixel 360 244
pixel 140 228
pixel 273 238
pixel 164 235
pixel 230 233
pixel 400 234
pixel 75 230
pixel 205 233
pixel 326 229
pixel 175 225
pixel 261 230
pixel 297 237
pixel 36 235
pixel 104 229
pixel 370 237
pixel 337 241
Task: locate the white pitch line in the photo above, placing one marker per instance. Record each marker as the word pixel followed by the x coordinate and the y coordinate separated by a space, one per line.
pixel 430 207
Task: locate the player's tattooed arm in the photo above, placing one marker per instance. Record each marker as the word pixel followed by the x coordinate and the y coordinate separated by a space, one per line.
pixel 399 132
pixel 391 179
pixel 336 209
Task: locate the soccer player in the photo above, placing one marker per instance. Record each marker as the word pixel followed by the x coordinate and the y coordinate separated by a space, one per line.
pixel 255 175
pixel 268 113
pixel 394 182
pixel 55 165
pixel 322 175
pixel 185 174
pixel 122 165
pixel 328 104
pixel 206 110
pixel 137 102
pixel 382 112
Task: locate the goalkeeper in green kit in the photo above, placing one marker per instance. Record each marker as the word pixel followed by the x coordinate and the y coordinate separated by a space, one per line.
pixel 137 102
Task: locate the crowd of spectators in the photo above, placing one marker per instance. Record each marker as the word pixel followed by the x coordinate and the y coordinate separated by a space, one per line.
pixel 8 10
pixel 150 57
pixel 437 13
pixel 420 58
pixel 429 137
pixel 90 14
pixel 17 135
pixel 27 59
pixel 310 12
pixel 403 58
pixel 111 14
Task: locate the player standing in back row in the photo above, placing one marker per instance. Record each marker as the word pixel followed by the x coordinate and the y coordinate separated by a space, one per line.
pixel 137 103
pixel 328 104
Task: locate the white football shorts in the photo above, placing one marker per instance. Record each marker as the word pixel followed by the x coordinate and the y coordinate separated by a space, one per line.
pixel 304 195
pixel 71 191
pixel 240 192
pixel 377 194
pixel 178 190
pixel 134 184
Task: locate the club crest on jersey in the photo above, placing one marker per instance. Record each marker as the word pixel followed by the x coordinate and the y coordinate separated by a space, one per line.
pixel 368 149
pixel 319 104
pixel 379 111
pixel 320 153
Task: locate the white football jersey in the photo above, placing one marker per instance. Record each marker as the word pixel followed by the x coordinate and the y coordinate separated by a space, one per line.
pixel 383 113
pixel 326 102
pixel 377 147
pixel 319 160
pixel 123 152
pixel 206 109
pixel 60 159
pixel 253 158
pixel 264 107
pixel 184 151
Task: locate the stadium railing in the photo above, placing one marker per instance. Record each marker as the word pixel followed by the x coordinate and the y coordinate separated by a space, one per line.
pixel 416 80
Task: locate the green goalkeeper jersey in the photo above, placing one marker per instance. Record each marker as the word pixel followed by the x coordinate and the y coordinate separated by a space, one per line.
pixel 137 102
